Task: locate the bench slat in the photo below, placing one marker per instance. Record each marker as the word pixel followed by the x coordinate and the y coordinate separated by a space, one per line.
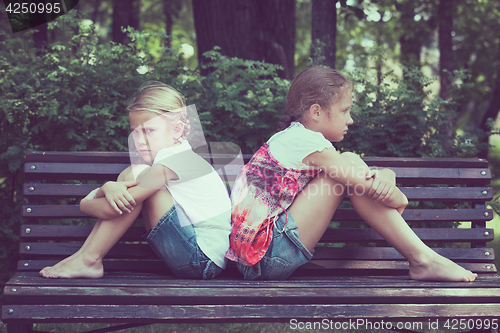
pixel 417 162
pixel 159 295
pixel 245 313
pixel 107 157
pixel 123 158
pixel 389 253
pixel 135 251
pixel 391 267
pixel 432 235
pixel 343 235
pixel 339 266
pixel 60 171
pixel 342 214
pixel 39 190
pixel 119 279
pixel 410 175
pixel 80 171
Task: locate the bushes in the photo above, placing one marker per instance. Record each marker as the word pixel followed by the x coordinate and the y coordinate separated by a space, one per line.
pixel 399 117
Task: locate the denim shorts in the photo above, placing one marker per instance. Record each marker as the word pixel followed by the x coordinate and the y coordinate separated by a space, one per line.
pixel 285 254
pixel 176 245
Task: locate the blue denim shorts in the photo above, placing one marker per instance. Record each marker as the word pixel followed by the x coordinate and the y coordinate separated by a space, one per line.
pixel 176 245
pixel 285 254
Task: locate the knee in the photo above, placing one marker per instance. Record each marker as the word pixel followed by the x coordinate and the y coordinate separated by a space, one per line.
pixel 132 172
pixel 353 158
pixel 356 161
pixel 124 174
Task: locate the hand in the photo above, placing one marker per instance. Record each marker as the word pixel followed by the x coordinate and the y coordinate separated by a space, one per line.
pixel 383 185
pixel 118 197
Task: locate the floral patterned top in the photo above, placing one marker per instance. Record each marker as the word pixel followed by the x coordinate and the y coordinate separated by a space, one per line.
pixel 262 191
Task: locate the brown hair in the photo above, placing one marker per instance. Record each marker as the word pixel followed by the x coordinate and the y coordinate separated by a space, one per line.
pixel 160 98
pixel 315 85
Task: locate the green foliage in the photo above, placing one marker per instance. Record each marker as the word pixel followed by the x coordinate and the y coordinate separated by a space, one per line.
pixel 397 117
pixel 241 101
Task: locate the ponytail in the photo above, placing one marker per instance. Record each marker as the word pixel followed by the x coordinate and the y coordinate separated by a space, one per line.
pixel 314 85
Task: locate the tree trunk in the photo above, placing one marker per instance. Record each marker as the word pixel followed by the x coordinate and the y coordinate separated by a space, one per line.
pixel 40 38
pixel 445 26
pixel 324 32
pixel 169 20
pixel 125 13
pixel 411 44
pixel 262 30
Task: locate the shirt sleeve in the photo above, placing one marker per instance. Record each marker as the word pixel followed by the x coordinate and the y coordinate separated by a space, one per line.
pixel 295 144
pixel 186 164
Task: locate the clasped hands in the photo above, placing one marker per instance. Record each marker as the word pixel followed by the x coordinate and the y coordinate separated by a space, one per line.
pixel 117 195
pixel 383 184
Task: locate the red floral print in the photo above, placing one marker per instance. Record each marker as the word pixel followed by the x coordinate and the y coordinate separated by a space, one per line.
pixel 262 191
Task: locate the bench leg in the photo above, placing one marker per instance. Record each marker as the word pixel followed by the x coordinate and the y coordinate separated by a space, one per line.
pixel 19 328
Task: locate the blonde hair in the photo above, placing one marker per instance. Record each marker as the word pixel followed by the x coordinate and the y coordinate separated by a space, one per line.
pixel 162 99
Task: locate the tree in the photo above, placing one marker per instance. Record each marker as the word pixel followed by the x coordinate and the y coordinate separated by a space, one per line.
pixel 40 38
pixel 125 13
pixel 324 32
pixel 171 9
pixel 262 30
pixel 410 39
pixel 445 28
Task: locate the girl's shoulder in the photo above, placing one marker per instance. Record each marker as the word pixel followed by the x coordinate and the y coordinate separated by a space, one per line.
pixel 291 145
pixel 298 133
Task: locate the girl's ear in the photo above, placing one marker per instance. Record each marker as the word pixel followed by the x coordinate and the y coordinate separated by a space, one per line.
pixel 315 111
pixel 178 129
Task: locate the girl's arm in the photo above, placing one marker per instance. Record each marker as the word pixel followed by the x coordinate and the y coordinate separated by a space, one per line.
pixel 98 207
pixel 107 202
pixel 353 173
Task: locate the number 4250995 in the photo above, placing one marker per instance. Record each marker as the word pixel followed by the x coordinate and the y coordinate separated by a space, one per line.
pixel 33 8
pixel 471 324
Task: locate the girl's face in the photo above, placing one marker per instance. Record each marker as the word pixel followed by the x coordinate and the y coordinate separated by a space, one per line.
pixel 151 133
pixel 337 119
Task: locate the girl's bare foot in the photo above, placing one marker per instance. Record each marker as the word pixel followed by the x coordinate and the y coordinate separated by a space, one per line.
pixel 78 267
pixel 46 270
pixel 433 267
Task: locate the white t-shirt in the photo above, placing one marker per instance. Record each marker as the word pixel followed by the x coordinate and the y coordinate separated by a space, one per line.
pixel 295 142
pixel 202 195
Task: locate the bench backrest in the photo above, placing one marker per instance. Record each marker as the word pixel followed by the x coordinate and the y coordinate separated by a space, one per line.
pixel 441 193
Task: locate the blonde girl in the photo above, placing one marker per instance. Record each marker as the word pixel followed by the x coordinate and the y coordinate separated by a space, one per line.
pixel 184 204
pixel 285 197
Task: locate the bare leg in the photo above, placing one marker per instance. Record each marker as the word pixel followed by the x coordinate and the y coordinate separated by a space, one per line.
pixel 425 264
pixel 45 272
pixel 87 261
pixel 155 207
pixel 318 202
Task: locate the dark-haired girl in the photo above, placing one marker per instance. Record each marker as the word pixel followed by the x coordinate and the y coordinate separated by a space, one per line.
pixel 284 198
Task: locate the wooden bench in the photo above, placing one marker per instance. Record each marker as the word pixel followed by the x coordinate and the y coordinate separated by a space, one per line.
pixel 353 284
